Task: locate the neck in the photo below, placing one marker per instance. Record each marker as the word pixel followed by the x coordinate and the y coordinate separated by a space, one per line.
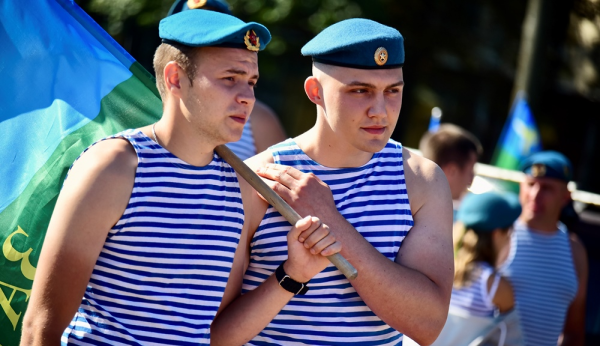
pixel 176 135
pixel 546 225
pixel 321 145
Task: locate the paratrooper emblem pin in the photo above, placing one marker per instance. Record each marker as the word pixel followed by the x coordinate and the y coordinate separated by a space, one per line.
pixel 538 170
pixel 381 56
pixel 252 41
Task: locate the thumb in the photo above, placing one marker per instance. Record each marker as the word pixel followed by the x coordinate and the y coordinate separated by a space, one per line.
pixel 300 226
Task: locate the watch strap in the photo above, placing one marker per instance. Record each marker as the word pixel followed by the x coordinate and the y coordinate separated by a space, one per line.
pixel 289 284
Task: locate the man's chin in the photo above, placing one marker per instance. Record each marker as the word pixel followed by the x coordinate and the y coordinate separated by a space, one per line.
pixel 232 137
pixel 374 146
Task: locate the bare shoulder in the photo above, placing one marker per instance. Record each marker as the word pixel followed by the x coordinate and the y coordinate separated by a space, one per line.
pixel 579 254
pixel 424 180
pixel 103 175
pixel 111 155
pixel 260 159
pixel 266 127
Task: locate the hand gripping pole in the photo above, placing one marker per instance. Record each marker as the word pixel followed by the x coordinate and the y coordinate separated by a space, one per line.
pixel 278 203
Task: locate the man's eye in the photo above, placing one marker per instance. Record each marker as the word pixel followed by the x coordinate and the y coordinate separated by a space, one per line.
pixel 232 79
pixel 359 91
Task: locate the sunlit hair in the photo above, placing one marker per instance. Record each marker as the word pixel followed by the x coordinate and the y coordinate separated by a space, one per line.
pixel 471 247
pixel 184 56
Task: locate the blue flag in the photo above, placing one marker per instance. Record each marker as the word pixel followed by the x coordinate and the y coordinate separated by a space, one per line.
pixel 520 136
pixel 66 84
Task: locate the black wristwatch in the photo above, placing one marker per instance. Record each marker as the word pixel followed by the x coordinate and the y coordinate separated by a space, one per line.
pixel 289 284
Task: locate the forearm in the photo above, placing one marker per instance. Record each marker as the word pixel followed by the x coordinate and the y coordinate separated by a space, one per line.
pixel 250 313
pixel 37 331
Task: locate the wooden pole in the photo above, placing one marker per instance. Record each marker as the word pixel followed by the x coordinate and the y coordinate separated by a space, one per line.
pixel 278 203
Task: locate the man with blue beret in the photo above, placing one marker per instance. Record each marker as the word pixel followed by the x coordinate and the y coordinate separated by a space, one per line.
pixel 142 240
pixel 546 265
pixel 263 128
pixel 390 209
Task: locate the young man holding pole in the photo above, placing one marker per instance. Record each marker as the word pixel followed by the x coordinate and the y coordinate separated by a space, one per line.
pixel 391 211
pixel 142 239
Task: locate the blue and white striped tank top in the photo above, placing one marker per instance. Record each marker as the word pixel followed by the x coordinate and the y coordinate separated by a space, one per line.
pixel 541 270
pixel 162 272
pixel 475 299
pixel 374 200
pixel 244 148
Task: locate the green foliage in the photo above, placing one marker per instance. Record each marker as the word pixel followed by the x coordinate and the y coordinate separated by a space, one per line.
pixel 460 56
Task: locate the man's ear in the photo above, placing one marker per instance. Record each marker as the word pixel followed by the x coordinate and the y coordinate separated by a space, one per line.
pixel 172 74
pixel 450 169
pixel 313 90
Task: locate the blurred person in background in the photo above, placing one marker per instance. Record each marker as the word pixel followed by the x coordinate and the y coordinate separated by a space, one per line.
pixel 481 298
pixel 456 151
pixel 264 128
pixel 546 265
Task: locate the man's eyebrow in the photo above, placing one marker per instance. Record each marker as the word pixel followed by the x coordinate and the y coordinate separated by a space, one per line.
pixel 241 72
pixel 368 85
pixel 362 84
pixel 400 83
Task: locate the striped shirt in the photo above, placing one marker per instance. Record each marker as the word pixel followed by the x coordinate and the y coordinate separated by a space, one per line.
pixel 541 270
pixel 160 277
pixel 244 148
pixel 474 299
pixel 374 200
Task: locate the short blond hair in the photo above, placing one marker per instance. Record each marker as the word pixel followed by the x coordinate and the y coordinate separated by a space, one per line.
pixel 183 55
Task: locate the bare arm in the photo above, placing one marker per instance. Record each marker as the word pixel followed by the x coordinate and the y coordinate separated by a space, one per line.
pixel 266 128
pixel 574 331
pixel 250 313
pixel 504 298
pixel 411 294
pixel 92 200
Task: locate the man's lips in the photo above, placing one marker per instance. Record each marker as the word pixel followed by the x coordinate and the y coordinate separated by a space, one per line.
pixel 240 118
pixel 374 130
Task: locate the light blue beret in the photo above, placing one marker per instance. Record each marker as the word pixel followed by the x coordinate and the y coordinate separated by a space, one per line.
pixel 202 28
pixel 488 211
pixel 212 5
pixel 357 43
pixel 549 164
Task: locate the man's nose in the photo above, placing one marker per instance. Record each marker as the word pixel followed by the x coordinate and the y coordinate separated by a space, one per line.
pixel 246 96
pixel 377 109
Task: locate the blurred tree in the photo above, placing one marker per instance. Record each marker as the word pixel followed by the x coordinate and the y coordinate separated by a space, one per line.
pixel 460 56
